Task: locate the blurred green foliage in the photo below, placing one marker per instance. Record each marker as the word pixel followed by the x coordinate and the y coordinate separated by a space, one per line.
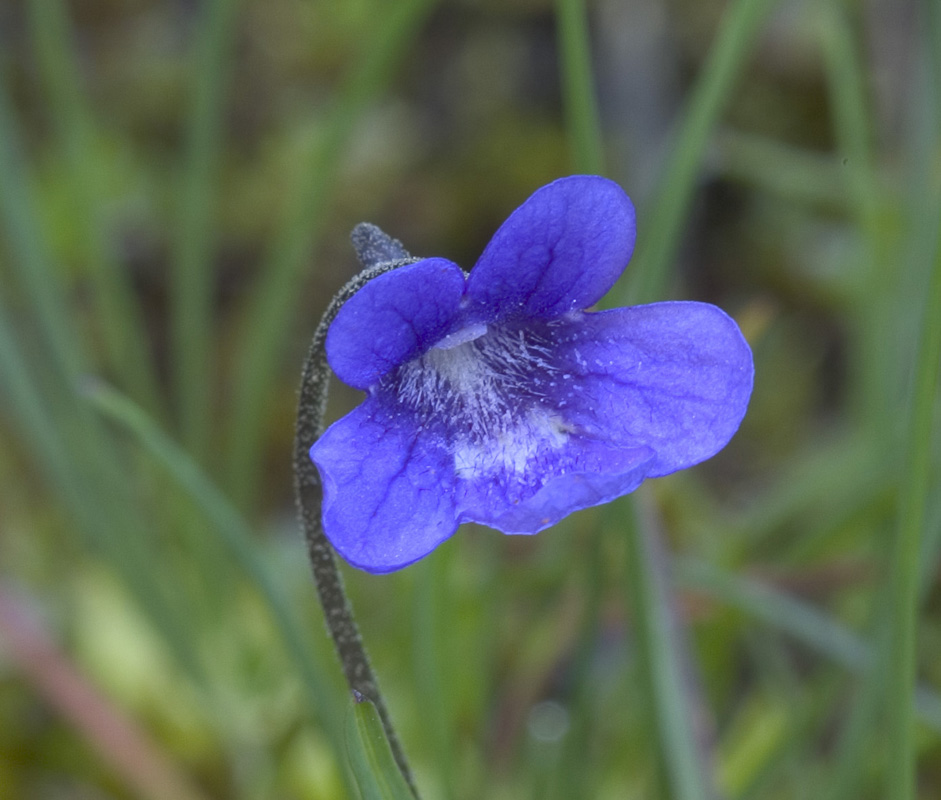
pixel 177 184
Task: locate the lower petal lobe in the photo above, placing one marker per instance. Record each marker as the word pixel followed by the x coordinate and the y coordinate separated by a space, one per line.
pixel 582 473
pixel 388 488
pixel 675 377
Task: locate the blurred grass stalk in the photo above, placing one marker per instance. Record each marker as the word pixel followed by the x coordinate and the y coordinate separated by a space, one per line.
pixel 73 450
pixel 193 275
pixel 658 240
pixel 682 720
pixel 852 121
pixel 580 105
pixel 75 133
pixel 876 284
pixel 128 353
pixel 900 778
pixel 574 776
pixel 433 623
pixel 236 537
pixel 818 631
pixel 892 677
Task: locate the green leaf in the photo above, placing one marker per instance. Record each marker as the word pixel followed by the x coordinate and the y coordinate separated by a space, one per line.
pixel 370 756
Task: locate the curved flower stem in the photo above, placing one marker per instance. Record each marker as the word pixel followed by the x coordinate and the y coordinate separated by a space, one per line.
pixel 378 254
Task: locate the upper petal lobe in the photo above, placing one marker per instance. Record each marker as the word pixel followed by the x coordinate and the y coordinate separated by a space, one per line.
pixel 561 250
pixel 393 318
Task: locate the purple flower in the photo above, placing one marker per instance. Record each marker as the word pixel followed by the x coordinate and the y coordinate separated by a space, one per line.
pixel 495 398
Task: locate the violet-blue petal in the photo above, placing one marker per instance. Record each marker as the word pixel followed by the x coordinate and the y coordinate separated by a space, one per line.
pixel 388 488
pixel 561 250
pixel 675 377
pixel 392 319
pixel 581 473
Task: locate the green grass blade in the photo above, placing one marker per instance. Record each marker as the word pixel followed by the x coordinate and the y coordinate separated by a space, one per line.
pixel 578 91
pixel 370 756
pixel 660 231
pixel 913 497
pixel 117 309
pixel 20 394
pixel 64 448
pixel 852 123
pixel 800 620
pixel 89 461
pixel 763 602
pixel 894 675
pixel 830 479
pixel 234 533
pixel 28 256
pixel 575 776
pixel 932 16
pixel 431 616
pixel 668 665
pixel 274 303
pixel 907 583
pixel 192 276
pixel 855 740
pixel 875 317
